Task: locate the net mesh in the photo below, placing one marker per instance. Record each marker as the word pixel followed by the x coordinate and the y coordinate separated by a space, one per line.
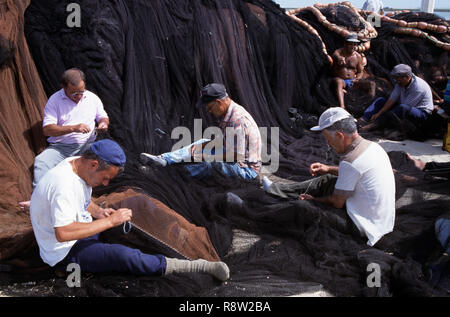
pixel 147 61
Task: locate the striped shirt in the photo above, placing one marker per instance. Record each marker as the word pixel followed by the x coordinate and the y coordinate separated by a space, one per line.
pixel 241 133
pixel 417 94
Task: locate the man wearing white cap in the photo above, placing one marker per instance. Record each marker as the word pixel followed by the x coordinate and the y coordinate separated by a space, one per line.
pixel 363 182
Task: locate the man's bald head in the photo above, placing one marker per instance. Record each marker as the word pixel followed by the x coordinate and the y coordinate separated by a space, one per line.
pixel 73 76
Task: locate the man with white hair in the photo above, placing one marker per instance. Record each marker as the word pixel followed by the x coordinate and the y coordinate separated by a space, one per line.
pixel 363 182
pixel 374 6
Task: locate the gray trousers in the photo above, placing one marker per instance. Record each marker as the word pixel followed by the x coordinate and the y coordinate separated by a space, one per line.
pixel 53 155
pixel 317 187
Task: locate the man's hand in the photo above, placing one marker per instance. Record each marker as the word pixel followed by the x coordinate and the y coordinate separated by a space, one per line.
pixel 197 152
pixel 305 197
pixel 319 169
pixel 375 116
pixel 120 216
pixel 104 213
pixel 82 128
pixel 102 127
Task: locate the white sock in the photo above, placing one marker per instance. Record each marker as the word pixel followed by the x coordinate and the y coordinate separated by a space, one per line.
pixel 217 269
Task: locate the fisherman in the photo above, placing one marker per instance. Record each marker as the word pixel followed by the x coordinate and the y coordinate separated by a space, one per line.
pixel 363 182
pixel 411 99
pixel 348 68
pixel 67 224
pixel 241 152
pixel 374 6
pixel 69 122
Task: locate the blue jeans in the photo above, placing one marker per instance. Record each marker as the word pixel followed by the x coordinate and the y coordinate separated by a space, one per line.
pixel 97 257
pixel 442 228
pixel 205 169
pixel 53 155
pixel 401 110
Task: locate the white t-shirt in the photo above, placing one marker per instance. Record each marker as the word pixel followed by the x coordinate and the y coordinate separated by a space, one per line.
pixel 59 199
pixel 367 179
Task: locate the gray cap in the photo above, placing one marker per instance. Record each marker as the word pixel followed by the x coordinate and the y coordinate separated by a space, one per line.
pixel 401 70
pixel 330 117
pixel 353 38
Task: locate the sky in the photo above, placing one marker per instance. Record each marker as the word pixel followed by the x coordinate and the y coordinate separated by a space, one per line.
pixel 409 4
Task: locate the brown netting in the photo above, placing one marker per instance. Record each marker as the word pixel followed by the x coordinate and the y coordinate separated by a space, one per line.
pixel 158 229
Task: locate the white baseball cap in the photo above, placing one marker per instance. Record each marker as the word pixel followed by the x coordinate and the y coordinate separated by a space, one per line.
pixel 330 117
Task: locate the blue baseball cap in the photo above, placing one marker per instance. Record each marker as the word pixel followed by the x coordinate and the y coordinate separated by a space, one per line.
pixel 109 151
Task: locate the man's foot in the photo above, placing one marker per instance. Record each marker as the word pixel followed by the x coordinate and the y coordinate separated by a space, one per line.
pixel 368 127
pixel 418 163
pixel 24 205
pixel 217 269
pixel 152 159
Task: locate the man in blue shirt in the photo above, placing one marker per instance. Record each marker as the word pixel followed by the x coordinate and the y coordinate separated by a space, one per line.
pixel 411 99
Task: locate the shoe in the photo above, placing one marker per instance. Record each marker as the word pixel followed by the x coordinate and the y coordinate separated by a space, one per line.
pixel 152 159
pixel 266 183
pixel 234 200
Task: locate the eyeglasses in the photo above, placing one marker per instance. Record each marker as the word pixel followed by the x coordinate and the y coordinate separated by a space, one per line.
pixel 78 93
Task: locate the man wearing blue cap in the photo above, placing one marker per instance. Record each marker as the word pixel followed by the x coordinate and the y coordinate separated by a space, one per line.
pixel 241 152
pixel 62 215
pixel 363 182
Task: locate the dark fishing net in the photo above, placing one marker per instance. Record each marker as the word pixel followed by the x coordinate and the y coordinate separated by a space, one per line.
pixel 147 60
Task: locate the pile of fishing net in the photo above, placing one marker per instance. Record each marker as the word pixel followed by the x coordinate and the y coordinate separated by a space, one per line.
pixel 147 61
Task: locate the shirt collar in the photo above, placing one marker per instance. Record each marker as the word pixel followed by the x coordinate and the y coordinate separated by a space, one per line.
pixel 230 110
pixel 413 79
pixel 353 145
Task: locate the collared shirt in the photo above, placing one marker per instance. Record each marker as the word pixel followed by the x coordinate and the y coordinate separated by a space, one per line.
pixel 417 94
pixel 367 180
pixel 244 136
pixel 62 111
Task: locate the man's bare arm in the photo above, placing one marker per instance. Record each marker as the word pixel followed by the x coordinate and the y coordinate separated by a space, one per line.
pixel 58 130
pixel 79 230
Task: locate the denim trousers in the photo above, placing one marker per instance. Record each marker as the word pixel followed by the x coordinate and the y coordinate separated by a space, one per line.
pixel 205 169
pixel 53 155
pixel 401 110
pixel 94 256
